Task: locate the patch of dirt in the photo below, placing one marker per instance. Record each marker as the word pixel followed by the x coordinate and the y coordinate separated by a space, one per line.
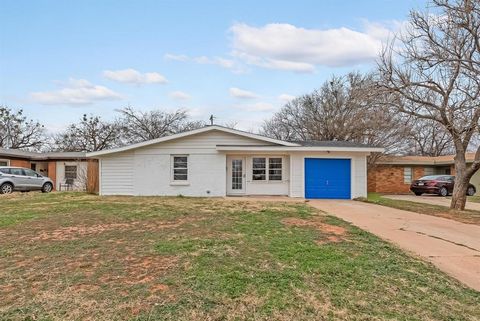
pixel 159 288
pixel 75 232
pixel 323 227
pixel 141 270
pixel 333 233
pixel 330 239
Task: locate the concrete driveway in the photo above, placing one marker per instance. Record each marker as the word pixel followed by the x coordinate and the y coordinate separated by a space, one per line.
pixel 452 246
pixel 432 199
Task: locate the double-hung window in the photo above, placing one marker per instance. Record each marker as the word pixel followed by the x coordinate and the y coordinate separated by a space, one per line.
pixel 259 169
pixel 180 168
pixel 70 171
pixel 407 175
pixel 267 168
pixel 275 169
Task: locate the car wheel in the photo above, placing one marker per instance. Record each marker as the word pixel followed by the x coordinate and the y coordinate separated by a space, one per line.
pixel 6 188
pixel 47 188
pixel 443 191
pixel 418 194
pixel 471 191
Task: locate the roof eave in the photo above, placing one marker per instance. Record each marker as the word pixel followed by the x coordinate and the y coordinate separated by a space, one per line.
pixel 301 149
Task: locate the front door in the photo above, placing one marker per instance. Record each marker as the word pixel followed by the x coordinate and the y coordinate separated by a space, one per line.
pixel 236 175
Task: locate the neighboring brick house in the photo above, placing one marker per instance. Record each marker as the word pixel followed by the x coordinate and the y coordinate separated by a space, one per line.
pixel 61 167
pixel 394 174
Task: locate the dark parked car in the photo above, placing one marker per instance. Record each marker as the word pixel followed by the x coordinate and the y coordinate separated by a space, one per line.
pixel 437 184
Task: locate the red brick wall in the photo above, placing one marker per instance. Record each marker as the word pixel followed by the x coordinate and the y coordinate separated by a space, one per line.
pixel 389 178
pixel 452 169
pixel 20 163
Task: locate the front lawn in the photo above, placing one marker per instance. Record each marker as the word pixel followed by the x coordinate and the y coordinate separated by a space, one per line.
pixel 475 199
pixel 466 216
pixel 83 257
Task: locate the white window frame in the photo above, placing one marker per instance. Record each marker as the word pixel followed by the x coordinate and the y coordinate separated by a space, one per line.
pixel 267 168
pixel 280 169
pixel 5 160
pixel 407 177
pixel 173 181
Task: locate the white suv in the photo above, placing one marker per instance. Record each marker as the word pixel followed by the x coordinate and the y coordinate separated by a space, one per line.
pixel 23 179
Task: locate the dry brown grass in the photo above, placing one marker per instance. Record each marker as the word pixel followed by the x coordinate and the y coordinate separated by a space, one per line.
pixel 83 257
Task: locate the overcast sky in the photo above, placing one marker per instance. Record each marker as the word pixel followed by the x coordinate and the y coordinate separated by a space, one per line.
pixel 239 61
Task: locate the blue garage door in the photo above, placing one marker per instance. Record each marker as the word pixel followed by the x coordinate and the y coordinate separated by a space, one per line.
pixel 327 178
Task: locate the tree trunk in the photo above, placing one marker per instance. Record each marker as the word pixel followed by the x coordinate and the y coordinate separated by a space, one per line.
pixel 459 195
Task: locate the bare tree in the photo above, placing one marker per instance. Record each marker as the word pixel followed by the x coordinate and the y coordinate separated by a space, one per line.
pixel 90 134
pixel 428 138
pixel 432 72
pixel 343 109
pixel 16 131
pixel 141 126
pixel 231 124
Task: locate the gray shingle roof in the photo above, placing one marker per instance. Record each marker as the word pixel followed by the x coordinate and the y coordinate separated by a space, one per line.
pixel 327 143
pixel 40 156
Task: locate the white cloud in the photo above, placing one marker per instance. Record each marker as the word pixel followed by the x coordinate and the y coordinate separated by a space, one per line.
pixel 204 60
pixel 176 57
pixel 179 95
pixel 286 98
pixel 288 47
pixel 242 94
pixel 257 107
pixel 133 76
pixel 75 92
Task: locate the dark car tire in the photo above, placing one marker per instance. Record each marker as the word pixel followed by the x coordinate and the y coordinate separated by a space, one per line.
pixel 471 191
pixel 6 188
pixel 418 194
pixel 443 191
pixel 47 188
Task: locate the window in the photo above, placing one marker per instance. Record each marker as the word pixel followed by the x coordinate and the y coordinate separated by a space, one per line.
pixel 429 171
pixel 17 171
pixel 180 168
pixel 407 175
pixel 70 171
pixel 5 170
pixel 275 169
pixel 263 165
pixel 259 169
pixel 4 162
pixel 29 172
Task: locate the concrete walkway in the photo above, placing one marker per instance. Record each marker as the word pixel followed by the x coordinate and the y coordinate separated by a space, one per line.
pixel 452 246
pixel 432 199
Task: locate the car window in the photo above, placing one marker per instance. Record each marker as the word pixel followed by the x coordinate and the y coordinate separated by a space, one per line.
pixel 431 178
pixel 16 171
pixel 445 178
pixel 31 173
pixel 5 170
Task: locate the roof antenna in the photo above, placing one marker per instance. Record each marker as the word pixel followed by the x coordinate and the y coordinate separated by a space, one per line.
pixel 211 119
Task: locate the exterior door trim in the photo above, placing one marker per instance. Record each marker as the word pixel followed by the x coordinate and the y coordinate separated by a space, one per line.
pixel 236 175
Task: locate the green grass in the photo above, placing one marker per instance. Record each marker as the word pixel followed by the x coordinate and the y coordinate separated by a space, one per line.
pixel 78 256
pixel 466 216
pixel 475 199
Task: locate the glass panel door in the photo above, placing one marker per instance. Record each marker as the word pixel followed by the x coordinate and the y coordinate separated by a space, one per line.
pixel 237 174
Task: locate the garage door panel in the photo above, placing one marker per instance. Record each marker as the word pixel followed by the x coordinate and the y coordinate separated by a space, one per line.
pixel 327 178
